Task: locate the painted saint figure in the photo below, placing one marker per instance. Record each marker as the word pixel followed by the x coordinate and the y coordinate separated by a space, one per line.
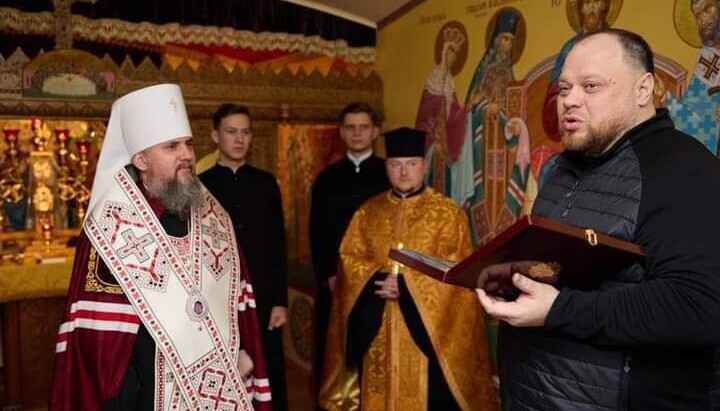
pixel 696 113
pixel 440 115
pixel 494 160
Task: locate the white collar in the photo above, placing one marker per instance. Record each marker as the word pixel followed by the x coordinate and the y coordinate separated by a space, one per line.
pixel 359 159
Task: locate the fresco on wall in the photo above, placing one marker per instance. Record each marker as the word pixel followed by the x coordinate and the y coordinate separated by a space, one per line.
pixel 440 114
pixel 491 171
pixel 697 111
pixel 584 16
pixel 488 151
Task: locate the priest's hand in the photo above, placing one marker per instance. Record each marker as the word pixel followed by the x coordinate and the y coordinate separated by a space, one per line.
pixel 244 364
pixel 529 309
pixel 278 317
pixel 388 288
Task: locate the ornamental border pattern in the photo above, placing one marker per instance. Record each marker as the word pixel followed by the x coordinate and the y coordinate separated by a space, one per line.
pixel 93 283
pixel 104 30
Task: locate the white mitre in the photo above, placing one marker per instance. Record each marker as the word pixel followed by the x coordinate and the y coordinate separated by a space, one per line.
pixel 138 120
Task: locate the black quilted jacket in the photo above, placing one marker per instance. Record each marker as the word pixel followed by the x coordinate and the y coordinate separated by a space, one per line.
pixel 644 338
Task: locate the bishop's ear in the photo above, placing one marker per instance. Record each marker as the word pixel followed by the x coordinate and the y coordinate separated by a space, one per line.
pixel 140 161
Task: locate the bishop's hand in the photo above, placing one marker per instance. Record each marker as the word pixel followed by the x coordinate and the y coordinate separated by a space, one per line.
pixel 245 364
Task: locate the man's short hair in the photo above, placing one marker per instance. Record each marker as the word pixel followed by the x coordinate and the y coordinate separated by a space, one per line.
pixel 636 51
pixel 358 107
pixel 228 109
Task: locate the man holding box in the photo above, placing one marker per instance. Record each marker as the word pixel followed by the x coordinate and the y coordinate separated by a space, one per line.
pixel 644 337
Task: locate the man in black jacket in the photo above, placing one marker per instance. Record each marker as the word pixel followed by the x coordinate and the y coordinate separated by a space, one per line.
pixel 337 192
pixel 252 198
pixel 646 337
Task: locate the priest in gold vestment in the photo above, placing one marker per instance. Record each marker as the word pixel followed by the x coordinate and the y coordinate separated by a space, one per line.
pixel 398 339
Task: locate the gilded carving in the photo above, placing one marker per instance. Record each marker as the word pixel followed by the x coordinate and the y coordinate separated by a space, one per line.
pixel 273 98
pixel 311 97
pixel 10 73
pixel 161 34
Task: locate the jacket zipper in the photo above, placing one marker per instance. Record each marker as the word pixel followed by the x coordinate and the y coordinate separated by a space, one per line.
pixel 624 395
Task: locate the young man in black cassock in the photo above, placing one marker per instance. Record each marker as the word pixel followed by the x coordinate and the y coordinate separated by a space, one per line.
pixel 252 198
pixel 337 192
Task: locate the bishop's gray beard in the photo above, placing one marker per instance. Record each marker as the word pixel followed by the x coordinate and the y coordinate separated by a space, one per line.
pixel 178 198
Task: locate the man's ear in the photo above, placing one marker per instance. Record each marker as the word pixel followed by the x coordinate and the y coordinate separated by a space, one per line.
pixel 140 161
pixel 376 132
pixel 215 136
pixel 644 89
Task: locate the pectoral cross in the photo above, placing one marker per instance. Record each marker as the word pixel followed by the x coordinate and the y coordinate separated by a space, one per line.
pixel 63 22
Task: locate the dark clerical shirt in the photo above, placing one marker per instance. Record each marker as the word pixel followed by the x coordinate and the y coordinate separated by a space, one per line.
pixel 252 198
pixel 337 193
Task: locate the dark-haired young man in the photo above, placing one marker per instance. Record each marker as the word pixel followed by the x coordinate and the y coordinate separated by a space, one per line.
pixel 252 198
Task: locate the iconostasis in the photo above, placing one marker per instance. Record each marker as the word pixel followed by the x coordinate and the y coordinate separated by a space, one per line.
pixel 46 170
